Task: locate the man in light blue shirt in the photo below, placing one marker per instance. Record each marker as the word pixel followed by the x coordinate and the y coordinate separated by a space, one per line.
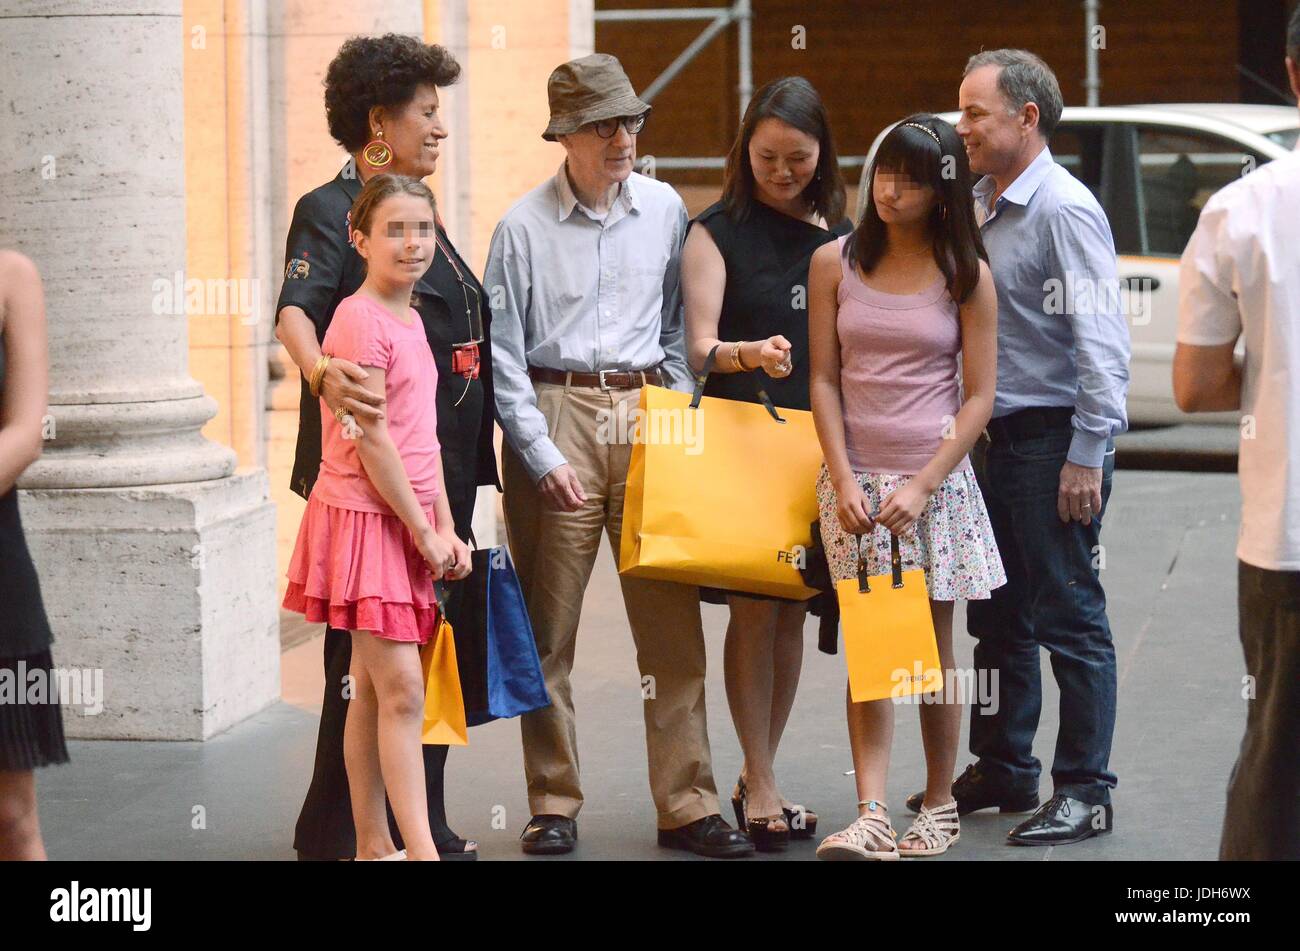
pixel 1062 340
pixel 582 276
pixel 600 291
pixel 1045 465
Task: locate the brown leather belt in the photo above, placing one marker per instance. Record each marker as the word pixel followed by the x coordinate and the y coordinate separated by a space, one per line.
pixel 605 379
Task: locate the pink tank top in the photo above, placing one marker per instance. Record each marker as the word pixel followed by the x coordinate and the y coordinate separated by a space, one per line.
pixel 898 373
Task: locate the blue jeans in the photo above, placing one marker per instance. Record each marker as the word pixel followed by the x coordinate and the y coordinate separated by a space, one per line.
pixel 1053 598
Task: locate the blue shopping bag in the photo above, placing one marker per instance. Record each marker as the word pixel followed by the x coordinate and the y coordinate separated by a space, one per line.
pixel 501 674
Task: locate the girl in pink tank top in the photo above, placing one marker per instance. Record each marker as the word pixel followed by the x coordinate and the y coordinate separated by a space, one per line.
pixel 891 309
pixel 378 530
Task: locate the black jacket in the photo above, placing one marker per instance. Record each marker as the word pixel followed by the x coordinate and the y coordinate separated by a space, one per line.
pixel 321 269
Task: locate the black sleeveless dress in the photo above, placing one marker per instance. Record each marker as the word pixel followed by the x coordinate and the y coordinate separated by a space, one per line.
pixel 31 733
pixel 767 255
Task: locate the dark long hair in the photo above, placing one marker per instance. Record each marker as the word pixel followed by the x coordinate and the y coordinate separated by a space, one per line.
pixel 795 102
pixel 942 164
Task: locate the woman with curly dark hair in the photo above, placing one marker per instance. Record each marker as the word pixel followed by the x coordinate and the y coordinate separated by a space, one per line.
pixel 381 102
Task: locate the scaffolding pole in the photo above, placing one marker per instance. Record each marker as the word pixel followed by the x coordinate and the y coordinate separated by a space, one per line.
pixel 741 13
pixel 1092 77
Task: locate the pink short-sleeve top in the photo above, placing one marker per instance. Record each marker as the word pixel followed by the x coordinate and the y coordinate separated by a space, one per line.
pixel 370 335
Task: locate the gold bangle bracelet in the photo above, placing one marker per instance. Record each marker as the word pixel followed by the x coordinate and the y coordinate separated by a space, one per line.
pixel 735 356
pixel 318 374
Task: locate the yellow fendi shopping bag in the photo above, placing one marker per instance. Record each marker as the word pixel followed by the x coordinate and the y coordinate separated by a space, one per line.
pixel 720 492
pixel 889 641
pixel 444 705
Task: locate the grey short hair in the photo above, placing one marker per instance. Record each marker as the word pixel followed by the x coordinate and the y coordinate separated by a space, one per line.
pixel 1024 78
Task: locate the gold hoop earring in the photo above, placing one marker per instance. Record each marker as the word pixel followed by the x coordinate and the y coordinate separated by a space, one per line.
pixel 377 153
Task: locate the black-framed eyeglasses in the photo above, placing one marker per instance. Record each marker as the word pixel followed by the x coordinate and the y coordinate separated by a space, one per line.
pixel 606 128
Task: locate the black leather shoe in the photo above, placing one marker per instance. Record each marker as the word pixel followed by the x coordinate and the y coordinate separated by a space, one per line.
pixel 549 835
pixel 1063 820
pixel 975 791
pixel 710 837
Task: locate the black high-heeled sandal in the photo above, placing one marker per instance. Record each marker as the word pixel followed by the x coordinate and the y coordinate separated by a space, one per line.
pixel 801 821
pixel 759 829
pixel 456 850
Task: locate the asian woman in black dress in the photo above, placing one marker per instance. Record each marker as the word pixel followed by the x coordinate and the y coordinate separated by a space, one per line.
pixel 745 281
pixel 381 102
pixel 31 733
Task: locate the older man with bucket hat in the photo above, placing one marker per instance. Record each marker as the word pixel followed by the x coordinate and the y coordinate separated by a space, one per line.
pixel 586 310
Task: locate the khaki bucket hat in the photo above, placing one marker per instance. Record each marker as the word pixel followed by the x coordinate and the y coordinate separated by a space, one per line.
pixel 587 90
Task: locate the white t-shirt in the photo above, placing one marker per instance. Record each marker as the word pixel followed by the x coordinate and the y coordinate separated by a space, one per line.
pixel 1240 275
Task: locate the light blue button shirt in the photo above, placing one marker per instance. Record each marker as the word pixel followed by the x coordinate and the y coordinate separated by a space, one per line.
pixel 1062 339
pixel 570 290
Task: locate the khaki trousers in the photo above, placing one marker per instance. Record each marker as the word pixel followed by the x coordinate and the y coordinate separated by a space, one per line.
pixel 554 553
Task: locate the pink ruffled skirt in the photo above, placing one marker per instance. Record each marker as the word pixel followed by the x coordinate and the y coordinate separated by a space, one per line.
pixel 361 571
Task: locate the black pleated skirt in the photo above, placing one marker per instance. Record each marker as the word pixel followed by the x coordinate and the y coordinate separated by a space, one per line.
pixel 31 720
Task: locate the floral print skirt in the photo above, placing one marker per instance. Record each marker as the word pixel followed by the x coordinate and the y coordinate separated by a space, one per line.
pixel 952 540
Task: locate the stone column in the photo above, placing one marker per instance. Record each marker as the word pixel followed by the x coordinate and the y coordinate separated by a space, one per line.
pixel 156 557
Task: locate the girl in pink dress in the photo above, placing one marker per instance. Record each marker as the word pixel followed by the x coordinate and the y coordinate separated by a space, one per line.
pixel 378 530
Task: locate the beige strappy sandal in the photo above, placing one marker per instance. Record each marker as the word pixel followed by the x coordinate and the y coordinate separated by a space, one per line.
pixel 871 838
pixel 937 830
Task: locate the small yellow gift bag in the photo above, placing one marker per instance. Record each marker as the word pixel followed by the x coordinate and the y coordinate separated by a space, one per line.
pixel 444 705
pixel 889 641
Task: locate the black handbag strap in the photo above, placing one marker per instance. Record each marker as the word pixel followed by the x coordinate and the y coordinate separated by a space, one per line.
pixel 895 564
pixel 703 378
pixel 440 596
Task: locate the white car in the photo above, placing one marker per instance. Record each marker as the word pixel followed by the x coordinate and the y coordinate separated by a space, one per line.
pixel 1153 168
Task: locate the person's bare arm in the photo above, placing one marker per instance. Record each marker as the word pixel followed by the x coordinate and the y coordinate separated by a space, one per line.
pixel 704 282
pixel 383 464
pixel 979 350
pixel 26 385
pixel 824 386
pixel 445 526
pixel 1206 379
pixel 342 383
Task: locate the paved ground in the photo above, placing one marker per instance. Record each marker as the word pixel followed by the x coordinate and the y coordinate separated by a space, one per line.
pixel 1194 447
pixel 1170 575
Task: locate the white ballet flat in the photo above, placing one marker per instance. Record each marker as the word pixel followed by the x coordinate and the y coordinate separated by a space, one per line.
pixel 399 856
